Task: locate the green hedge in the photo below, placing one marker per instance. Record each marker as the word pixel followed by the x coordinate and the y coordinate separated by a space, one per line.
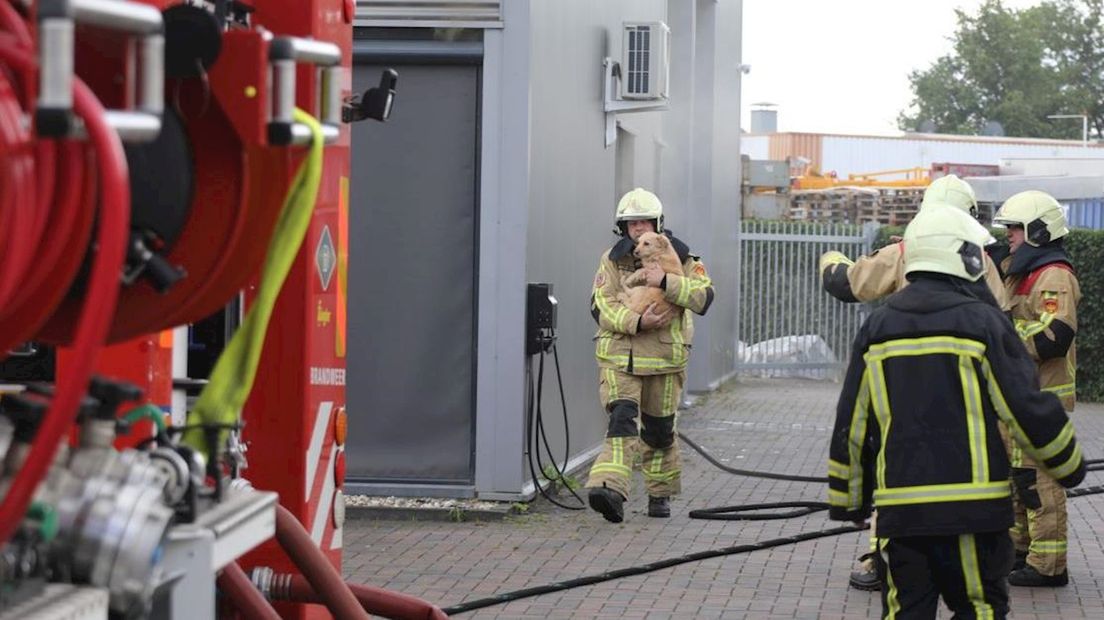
pixel 1086 250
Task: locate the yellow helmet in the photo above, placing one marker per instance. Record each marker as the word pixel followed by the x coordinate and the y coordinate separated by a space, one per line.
pixel 942 239
pixel 640 204
pixel 951 191
pixel 1038 212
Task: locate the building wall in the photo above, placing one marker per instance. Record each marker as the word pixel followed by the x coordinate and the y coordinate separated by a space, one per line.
pixel 1087 166
pixel 547 186
pixel 807 145
pixel 504 181
pixel 717 220
pixel 701 193
pixel 755 146
pixel 846 155
pixel 849 155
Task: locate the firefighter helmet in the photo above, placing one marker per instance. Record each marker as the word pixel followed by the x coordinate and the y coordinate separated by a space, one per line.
pixel 945 240
pixel 640 204
pixel 1038 212
pixel 953 191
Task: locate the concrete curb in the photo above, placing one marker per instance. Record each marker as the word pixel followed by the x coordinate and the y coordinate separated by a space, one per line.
pixel 456 515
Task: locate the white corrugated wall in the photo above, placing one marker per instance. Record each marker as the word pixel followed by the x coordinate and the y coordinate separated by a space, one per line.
pixel 755 146
pixel 850 154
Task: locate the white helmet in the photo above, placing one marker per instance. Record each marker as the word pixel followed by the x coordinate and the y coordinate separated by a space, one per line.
pixel 1038 212
pixel 951 191
pixel 640 204
pixel 942 239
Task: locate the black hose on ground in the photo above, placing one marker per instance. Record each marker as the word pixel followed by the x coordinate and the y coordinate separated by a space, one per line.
pixel 506 597
pixel 750 512
pixel 1083 491
pixel 736 513
pixel 747 472
pixel 1090 466
pixel 727 513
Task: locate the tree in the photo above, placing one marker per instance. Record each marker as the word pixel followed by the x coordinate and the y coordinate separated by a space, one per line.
pixel 1016 67
pixel 1076 46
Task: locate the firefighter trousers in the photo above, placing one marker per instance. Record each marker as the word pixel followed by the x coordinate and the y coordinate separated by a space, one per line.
pixel 969 571
pixel 641 430
pixel 1039 505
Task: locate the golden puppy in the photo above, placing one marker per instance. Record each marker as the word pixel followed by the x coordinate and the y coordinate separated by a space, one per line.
pixel 651 248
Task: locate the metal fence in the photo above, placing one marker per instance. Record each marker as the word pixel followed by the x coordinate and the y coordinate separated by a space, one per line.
pixel 787 325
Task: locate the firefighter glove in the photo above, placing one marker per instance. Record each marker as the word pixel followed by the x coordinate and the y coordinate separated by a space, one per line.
pixel 1024 480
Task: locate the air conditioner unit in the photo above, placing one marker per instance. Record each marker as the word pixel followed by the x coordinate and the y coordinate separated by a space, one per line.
pixel 645 60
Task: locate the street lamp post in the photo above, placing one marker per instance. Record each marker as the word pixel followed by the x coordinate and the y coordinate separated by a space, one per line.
pixel 1084 125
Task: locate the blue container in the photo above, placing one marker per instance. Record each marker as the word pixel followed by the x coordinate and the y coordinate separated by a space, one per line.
pixel 1085 213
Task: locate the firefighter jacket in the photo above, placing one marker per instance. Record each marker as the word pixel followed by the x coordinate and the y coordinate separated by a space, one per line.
pixel 916 435
pixel 619 342
pixel 872 277
pixel 1042 300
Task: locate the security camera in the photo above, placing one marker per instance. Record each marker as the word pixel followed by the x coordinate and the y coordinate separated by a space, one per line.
pixel 376 102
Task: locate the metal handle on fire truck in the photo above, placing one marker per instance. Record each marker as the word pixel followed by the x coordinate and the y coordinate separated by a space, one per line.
pixel 57 18
pixel 283 54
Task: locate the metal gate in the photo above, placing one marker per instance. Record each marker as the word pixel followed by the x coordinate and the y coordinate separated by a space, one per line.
pixel 787 325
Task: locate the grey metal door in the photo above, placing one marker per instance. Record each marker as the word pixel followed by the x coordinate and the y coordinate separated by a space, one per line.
pixel 412 258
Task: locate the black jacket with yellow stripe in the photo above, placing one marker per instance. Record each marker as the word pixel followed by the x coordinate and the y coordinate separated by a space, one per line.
pixel 931 373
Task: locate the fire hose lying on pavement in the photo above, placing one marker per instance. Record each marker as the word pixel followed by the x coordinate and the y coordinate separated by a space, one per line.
pixel 746 512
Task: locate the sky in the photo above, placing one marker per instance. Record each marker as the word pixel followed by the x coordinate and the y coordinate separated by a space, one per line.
pixel 842 66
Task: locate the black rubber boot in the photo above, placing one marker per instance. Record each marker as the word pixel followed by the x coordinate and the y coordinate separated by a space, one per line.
pixel 868 577
pixel 609 503
pixel 1028 577
pixel 659 507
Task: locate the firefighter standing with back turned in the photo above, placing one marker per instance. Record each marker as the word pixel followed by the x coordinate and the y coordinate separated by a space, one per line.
pixel 642 362
pixel 916 432
pixel 873 277
pixel 1043 293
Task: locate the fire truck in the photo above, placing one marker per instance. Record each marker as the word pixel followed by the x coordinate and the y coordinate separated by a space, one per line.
pixel 159 160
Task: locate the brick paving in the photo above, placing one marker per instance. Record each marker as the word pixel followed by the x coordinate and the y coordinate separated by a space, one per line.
pixel 775 425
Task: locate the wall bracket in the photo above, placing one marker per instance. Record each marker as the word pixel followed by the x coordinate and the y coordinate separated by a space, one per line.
pixel 614 106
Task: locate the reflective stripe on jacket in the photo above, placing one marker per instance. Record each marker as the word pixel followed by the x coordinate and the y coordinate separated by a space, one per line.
pixel 931 374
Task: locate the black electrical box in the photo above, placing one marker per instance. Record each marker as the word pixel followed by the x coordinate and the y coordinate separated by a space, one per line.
pixel 540 315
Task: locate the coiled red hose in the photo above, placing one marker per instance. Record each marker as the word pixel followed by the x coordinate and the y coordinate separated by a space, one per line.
pixel 26 214
pixel 13 22
pixel 99 304
pixel 19 204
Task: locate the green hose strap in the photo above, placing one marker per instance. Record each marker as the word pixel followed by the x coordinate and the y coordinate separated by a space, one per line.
pixel 149 412
pixel 231 380
pixel 47 519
